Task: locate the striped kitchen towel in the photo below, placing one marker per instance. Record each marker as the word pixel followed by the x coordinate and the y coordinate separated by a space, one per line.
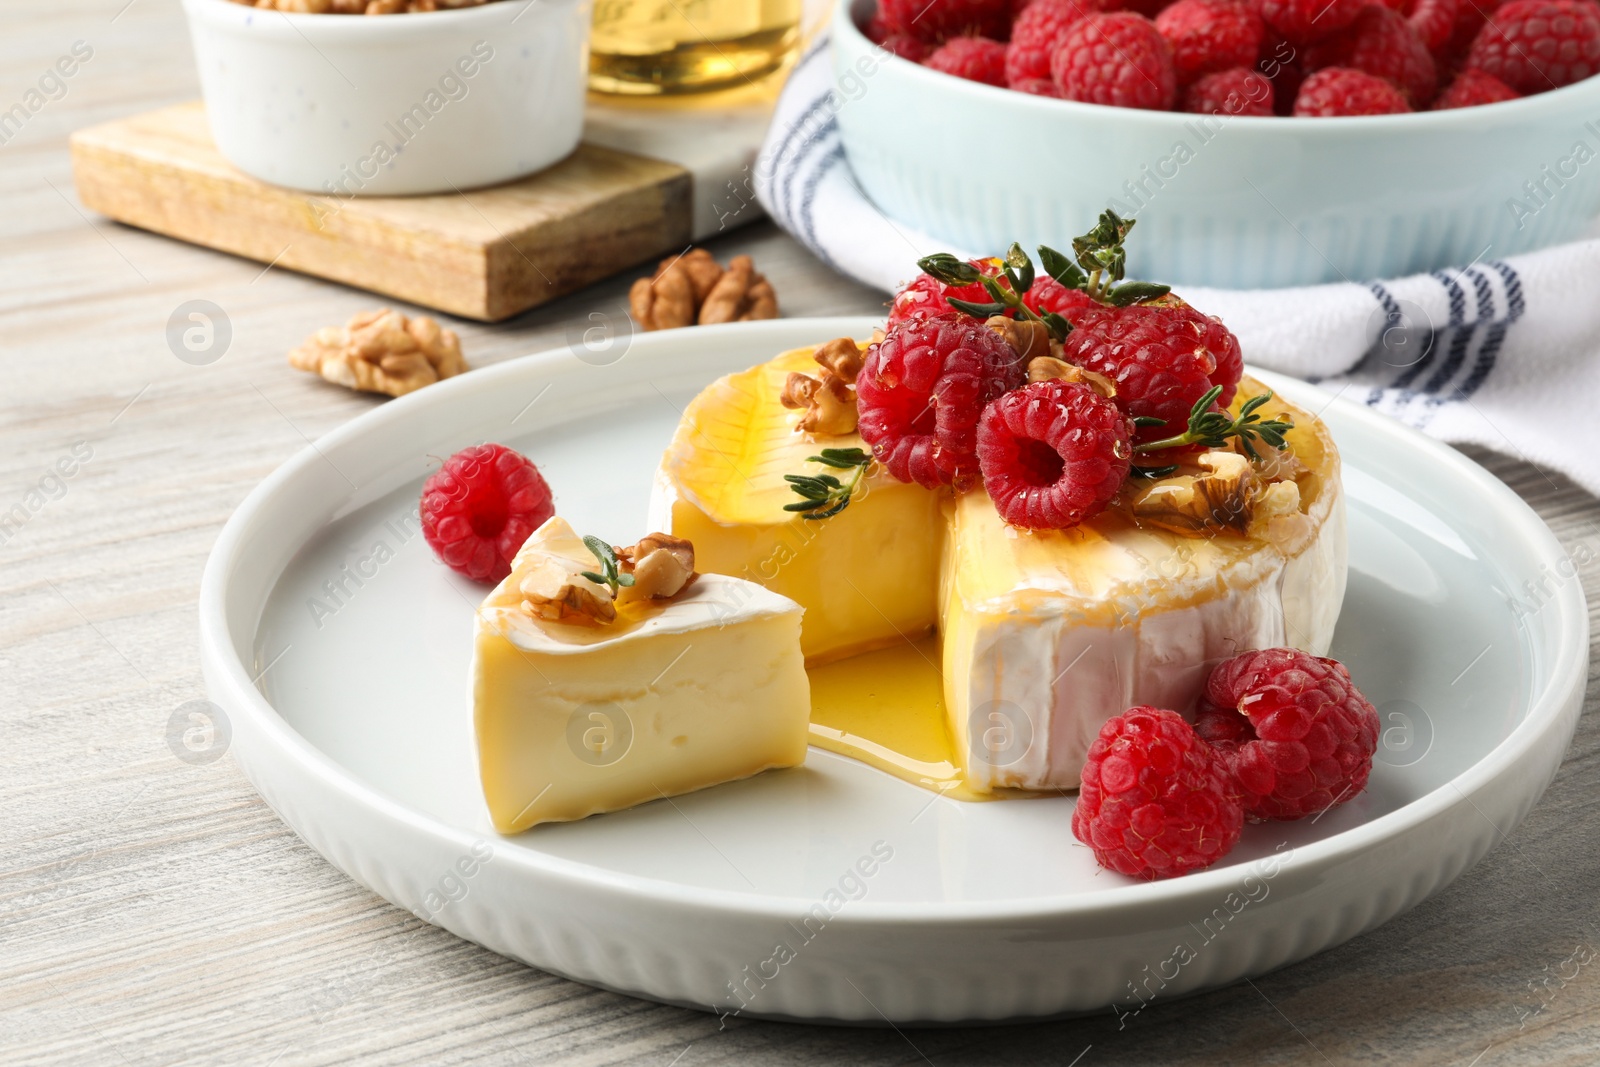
pixel 1504 354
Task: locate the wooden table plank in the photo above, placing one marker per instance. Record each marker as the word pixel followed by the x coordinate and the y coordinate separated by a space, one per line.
pixel 156 912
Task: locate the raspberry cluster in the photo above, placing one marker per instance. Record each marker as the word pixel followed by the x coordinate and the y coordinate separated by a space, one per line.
pixel 1117 368
pixel 1309 58
pixel 1280 734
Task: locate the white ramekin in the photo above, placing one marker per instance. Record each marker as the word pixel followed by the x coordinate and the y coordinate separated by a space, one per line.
pixel 1235 203
pixel 391 105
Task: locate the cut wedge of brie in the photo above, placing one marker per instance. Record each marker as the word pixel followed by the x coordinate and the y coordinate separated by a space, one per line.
pixel 1044 635
pixel 674 695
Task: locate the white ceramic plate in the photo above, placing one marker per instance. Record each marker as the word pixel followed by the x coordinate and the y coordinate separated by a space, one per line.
pixel 339 650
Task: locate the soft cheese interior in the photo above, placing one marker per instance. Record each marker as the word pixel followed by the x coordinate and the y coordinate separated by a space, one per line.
pixel 1044 634
pixel 572 719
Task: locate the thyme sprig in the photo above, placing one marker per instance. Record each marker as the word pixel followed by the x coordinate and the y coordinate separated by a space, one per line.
pixel 825 495
pixel 1096 267
pixel 1213 428
pixel 610 573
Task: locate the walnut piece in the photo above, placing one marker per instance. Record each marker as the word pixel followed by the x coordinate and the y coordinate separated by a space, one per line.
pixel 661 565
pixel 1277 518
pixel 382 352
pixel 554 590
pixel 693 288
pixel 1223 498
pixel 830 404
pixel 829 401
pixel 841 357
pixel 1028 339
pixel 1049 368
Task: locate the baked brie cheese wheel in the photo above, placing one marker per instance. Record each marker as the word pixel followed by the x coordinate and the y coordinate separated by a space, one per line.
pixel 575 717
pixel 1044 634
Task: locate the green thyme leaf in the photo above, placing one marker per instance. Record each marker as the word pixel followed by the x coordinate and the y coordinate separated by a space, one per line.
pixel 981 311
pixel 1213 428
pixel 949 269
pixel 824 494
pixel 1129 293
pixel 1061 268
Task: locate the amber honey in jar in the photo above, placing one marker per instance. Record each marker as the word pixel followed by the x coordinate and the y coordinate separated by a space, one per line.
pixel 651 47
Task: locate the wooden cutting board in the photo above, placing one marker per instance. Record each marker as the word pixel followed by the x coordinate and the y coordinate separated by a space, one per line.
pixel 482 254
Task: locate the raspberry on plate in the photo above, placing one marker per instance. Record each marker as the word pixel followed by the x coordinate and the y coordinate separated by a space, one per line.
pixel 1053 454
pixel 1296 731
pixel 1534 45
pixel 1237 91
pixel 480 506
pixel 1119 59
pixel 1163 358
pixel 935 21
pixel 1156 801
pixel 921 391
pixel 1038 30
pixel 1304 21
pixel 1210 35
pixel 1473 88
pixel 1383 44
pixel 974 58
pixel 1337 92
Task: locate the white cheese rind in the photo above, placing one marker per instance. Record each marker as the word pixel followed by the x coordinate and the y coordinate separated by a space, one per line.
pixel 572 720
pixel 1030 680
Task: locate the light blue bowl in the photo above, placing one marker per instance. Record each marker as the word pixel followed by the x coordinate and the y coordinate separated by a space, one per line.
pixel 1232 202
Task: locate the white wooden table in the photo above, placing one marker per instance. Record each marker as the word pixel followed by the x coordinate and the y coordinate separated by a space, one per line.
pixel 154 911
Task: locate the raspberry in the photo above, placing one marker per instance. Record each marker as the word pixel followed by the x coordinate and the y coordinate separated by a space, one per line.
pixel 1472 88
pixel 1384 45
pixel 1156 801
pixel 1304 21
pixel 1038 30
pixel 901 44
pixel 1210 35
pixel 1119 59
pixel 1237 91
pixel 480 506
pixel 1339 91
pixel 1293 727
pixel 937 20
pixel 1036 87
pixel 1053 454
pixel 1470 17
pixel 920 394
pixel 1163 358
pixel 925 294
pixel 1434 22
pixel 974 58
pixel 1534 45
pixel 906 46
pixel 1047 294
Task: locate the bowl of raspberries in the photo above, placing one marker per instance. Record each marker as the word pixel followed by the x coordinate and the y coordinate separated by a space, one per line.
pixel 1266 143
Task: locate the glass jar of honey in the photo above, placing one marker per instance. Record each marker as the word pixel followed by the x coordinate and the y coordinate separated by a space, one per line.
pixel 654 47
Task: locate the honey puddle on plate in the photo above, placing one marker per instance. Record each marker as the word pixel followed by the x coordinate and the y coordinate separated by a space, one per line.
pixel 886 709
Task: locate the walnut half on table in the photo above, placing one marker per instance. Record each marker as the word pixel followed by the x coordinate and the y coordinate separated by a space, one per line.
pixel 694 289
pixel 382 352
